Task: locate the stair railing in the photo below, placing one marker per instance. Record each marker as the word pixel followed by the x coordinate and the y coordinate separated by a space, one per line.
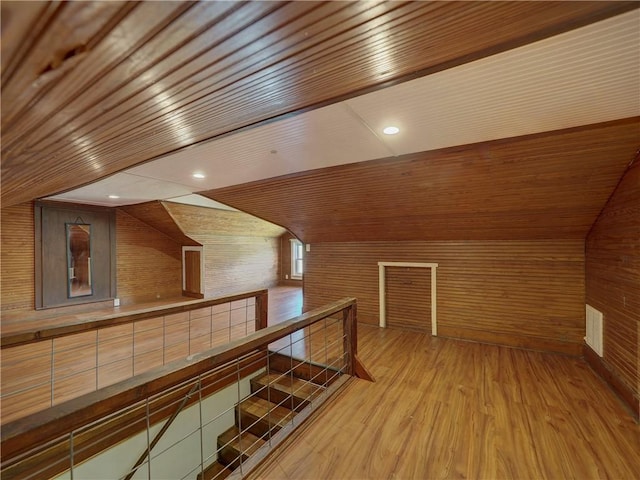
pixel 84 352
pixel 121 420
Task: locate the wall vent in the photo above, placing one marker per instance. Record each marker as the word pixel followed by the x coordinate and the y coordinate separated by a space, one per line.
pixel 594 329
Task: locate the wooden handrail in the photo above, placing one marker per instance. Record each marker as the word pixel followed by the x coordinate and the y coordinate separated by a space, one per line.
pixel 44 426
pixel 119 318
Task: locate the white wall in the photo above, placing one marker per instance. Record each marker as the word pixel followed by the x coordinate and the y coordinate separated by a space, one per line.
pixel 178 454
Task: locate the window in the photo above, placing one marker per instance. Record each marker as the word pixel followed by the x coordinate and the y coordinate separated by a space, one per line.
pixel 297 256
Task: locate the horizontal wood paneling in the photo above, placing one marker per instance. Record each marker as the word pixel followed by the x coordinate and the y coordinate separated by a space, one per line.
pixel 200 221
pixel 156 215
pixel 131 81
pixel 520 293
pixel 149 263
pixel 613 279
pixel 18 257
pixel 543 186
pixel 235 264
pixel 241 251
pixel 47 372
pixel 408 301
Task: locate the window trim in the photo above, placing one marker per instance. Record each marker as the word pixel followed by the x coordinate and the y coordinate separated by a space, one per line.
pixel 294 258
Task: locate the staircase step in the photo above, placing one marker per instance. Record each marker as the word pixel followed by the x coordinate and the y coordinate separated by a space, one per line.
pixel 310 371
pixel 232 446
pixel 215 471
pixel 279 388
pixel 258 416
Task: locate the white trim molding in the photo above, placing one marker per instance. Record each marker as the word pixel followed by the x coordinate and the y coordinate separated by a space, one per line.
pixel 294 242
pixel 382 286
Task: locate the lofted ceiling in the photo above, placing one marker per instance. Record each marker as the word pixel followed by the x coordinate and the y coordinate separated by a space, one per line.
pixel 90 89
pixel 542 186
pixel 580 77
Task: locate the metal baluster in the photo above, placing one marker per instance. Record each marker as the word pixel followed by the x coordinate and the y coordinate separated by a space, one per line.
pixel 52 373
pixel 326 354
pixel 201 426
pixel 239 400
pixel 148 439
pixel 71 454
pixel 97 345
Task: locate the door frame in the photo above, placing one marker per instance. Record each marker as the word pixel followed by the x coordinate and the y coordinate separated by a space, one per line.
pixel 383 288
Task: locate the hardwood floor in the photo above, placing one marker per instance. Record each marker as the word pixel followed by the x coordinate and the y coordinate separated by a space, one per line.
pixel 284 303
pixel 442 408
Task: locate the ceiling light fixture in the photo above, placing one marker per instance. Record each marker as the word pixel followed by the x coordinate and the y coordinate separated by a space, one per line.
pixel 113 197
pixel 198 175
pixel 390 130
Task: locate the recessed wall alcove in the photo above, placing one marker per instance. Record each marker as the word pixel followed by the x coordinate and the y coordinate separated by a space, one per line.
pixel 52 258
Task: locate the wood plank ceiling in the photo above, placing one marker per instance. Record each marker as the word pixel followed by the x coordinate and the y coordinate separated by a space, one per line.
pixel 544 186
pixel 91 88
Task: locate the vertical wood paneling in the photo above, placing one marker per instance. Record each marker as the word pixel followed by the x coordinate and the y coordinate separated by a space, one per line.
pixel 520 293
pixel 613 279
pixel 18 273
pixel 149 263
pixel 408 293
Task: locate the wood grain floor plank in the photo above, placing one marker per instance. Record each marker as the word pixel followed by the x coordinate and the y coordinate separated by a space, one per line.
pixel 442 408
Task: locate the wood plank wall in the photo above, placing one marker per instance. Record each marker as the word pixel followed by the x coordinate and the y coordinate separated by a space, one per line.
pixel 284 266
pixel 240 250
pixel 238 264
pixel 39 375
pixel 156 215
pixel 18 257
pixel 520 293
pixel 149 263
pixel 613 280
pixel 408 292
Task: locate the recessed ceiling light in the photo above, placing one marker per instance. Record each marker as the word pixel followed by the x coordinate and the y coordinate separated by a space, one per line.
pixel 198 175
pixel 113 197
pixel 390 130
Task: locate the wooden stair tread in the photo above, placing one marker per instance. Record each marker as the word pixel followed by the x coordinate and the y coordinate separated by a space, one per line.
pixel 247 443
pixel 290 385
pixel 215 471
pixel 259 407
pixel 302 369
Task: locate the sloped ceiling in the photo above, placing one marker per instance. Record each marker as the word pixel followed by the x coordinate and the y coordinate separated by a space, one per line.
pixel 156 215
pixel 543 186
pixel 203 223
pixel 92 88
